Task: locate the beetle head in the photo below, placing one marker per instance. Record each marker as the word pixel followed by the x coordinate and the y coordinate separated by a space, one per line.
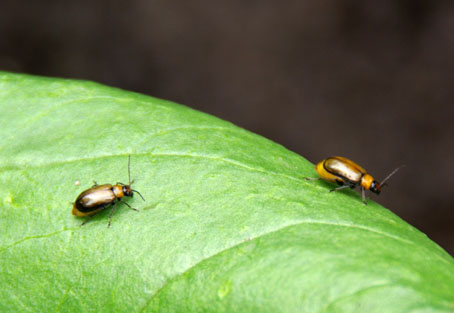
pixel 375 187
pixel 127 191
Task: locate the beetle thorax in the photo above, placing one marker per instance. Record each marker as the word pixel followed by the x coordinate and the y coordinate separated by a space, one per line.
pixel 366 181
pixel 118 191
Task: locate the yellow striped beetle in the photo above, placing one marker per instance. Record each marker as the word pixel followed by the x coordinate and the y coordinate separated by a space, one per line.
pixel 348 174
pixel 98 197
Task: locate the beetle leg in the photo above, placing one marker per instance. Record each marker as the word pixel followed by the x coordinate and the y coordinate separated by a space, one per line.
pixel 312 178
pixel 339 188
pixel 95 184
pixel 111 213
pixel 127 205
pixel 86 220
pixel 363 193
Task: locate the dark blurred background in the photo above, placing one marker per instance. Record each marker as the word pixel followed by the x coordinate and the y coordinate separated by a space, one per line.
pixel 369 80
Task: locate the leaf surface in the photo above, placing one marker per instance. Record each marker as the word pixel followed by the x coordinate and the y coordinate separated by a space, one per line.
pixel 228 225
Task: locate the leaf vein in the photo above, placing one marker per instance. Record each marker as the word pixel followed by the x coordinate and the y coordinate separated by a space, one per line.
pixel 34 237
pixel 29 123
pixel 175 154
pixel 361 227
pixel 358 292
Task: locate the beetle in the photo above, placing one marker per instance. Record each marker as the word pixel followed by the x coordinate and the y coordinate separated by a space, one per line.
pixel 348 174
pixel 98 197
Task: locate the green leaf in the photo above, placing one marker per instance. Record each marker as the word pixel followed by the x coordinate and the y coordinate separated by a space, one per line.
pixel 228 225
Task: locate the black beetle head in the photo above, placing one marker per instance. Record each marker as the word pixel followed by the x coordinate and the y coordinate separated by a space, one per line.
pixel 127 191
pixel 375 187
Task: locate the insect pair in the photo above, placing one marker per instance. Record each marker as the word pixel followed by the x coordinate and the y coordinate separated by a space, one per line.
pixel 340 170
pixel 99 197
pixel 348 174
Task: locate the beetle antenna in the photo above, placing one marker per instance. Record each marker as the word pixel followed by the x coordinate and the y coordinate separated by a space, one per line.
pixel 129 169
pixel 129 177
pixel 139 194
pixel 389 176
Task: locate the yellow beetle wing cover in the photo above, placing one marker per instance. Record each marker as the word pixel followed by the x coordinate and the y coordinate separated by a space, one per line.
pixel 344 168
